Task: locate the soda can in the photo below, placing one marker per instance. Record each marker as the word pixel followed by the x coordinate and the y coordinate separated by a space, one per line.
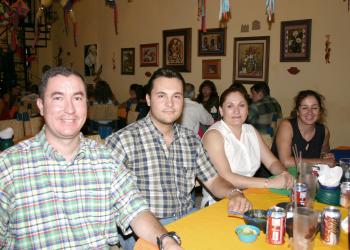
pixel 299 192
pixel 330 225
pixel 276 225
pixel 345 194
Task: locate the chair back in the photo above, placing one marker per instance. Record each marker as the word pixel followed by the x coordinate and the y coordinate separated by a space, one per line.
pixel 103 112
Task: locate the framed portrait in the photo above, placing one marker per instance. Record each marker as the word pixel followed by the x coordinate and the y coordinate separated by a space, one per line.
pixel 128 61
pixel 149 54
pixel 251 59
pixel 90 59
pixel 211 69
pixel 295 41
pixel 177 49
pixel 212 42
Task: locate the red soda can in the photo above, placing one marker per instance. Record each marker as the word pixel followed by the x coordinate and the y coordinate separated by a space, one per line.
pixel 299 192
pixel 276 225
pixel 330 225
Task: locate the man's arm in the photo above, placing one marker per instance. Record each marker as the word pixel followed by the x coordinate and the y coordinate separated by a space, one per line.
pixel 221 188
pixel 204 117
pixel 147 227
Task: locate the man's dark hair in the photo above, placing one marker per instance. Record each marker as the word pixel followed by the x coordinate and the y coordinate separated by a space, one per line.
pixel 56 71
pixel 261 87
pixel 189 90
pixel 164 72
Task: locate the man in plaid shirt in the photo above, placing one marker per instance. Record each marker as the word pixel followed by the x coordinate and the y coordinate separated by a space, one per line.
pixel 61 191
pixel 165 157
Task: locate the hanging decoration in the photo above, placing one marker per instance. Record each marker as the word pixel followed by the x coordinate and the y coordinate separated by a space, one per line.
pixel 67 10
pixel 270 11
pixel 5 13
pixel 113 4
pixel 21 8
pixel 327 49
pixel 202 8
pixel 225 14
pixel 113 61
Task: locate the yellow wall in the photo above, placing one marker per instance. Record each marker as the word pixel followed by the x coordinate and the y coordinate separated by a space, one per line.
pixel 142 21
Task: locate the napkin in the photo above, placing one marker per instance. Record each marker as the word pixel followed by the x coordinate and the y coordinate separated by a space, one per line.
pixel 329 177
pixel 6 133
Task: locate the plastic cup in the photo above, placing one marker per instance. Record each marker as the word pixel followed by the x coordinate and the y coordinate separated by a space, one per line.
pixel 307 177
pixel 304 228
pixel 345 165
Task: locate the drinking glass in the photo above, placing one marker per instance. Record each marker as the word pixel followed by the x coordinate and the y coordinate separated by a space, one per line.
pixel 345 165
pixel 305 223
pixel 307 177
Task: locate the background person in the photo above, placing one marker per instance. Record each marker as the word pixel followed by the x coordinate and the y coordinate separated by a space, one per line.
pixel 209 98
pixel 236 149
pixel 165 157
pixel 306 131
pixel 78 191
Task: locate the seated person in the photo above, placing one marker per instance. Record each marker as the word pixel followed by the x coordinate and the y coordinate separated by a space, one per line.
pixel 103 95
pixel 236 149
pixel 306 131
pixel 264 109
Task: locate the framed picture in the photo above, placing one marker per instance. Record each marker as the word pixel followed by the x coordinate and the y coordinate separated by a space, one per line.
pixel 251 59
pixel 177 49
pixel 149 54
pixel 90 58
pixel 212 42
pixel 128 61
pixel 211 69
pixel 295 41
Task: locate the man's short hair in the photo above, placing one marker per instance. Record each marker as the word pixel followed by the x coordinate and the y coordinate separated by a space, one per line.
pixel 189 90
pixel 164 72
pixel 56 71
pixel 261 87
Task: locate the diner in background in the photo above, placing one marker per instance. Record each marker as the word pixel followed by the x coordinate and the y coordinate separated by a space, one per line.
pixel 305 130
pixel 236 149
pixel 209 98
pixel 59 190
pixel 166 158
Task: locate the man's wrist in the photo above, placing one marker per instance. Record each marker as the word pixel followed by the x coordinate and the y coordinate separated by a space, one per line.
pixel 234 191
pixel 166 238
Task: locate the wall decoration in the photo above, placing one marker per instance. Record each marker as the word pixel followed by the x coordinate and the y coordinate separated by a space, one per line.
pixel 327 49
pixel 225 11
pixel 90 59
pixel 212 42
pixel 211 69
pixel 202 9
pixel 251 59
pixel 255 25
pixel 177 49
pixel 128 61
pixel 293 70
pixel 244 28
pixel 270 11
pixel 295 41
pixel 149 54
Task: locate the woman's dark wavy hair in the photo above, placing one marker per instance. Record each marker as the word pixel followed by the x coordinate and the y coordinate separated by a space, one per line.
pixel 305 93
pixel 103 93
pixel 233 89
pixel 211 85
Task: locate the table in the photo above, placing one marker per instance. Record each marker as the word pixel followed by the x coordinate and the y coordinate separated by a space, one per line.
pixel 212 229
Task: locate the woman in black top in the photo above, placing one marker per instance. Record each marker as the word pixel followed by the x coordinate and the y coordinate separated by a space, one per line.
pixel 209 98
pixel 305 131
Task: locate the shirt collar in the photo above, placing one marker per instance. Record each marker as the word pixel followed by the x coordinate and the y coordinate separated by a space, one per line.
pixel 154 129
pixel 53 153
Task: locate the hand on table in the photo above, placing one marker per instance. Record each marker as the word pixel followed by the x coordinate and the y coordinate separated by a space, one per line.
pixel 170 244
pixel 283 180
pixel 238 203
pixel 329 159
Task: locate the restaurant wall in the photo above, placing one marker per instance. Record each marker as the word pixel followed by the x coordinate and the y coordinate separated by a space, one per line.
pixel 142 22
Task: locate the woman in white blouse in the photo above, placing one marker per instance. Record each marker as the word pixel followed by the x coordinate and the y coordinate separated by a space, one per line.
pixel 236 149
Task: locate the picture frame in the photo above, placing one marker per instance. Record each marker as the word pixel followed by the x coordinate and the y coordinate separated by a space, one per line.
pixel 296 41
pixel 212 42
pixel 211 69
pixel 149 55
pixel 251 59
pixel 177 49
pixel 128 61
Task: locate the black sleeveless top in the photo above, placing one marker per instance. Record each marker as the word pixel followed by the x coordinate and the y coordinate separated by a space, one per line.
pixel 309 149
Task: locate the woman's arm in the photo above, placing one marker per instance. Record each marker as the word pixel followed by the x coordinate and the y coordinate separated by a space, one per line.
pixel 214 144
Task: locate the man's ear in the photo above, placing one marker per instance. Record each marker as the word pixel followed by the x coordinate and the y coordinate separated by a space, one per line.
pixel 148 99
pixel 40 104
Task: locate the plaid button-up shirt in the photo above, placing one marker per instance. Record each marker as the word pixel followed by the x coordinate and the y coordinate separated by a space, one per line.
pixel 49 203
pixel 165 174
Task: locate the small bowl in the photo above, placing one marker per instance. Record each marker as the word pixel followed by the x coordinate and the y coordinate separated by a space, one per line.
pixel 328 195
pixel 258 214
pixel 247 233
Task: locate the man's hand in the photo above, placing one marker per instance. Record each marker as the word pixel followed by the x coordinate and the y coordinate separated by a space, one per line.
pixel 284 180
pixel 237 202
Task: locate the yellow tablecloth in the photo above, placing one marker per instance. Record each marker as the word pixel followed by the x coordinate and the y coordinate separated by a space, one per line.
pixel 212 229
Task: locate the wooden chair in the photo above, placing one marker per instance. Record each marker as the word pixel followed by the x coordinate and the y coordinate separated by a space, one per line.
pixel 33 126
pixel 103 112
